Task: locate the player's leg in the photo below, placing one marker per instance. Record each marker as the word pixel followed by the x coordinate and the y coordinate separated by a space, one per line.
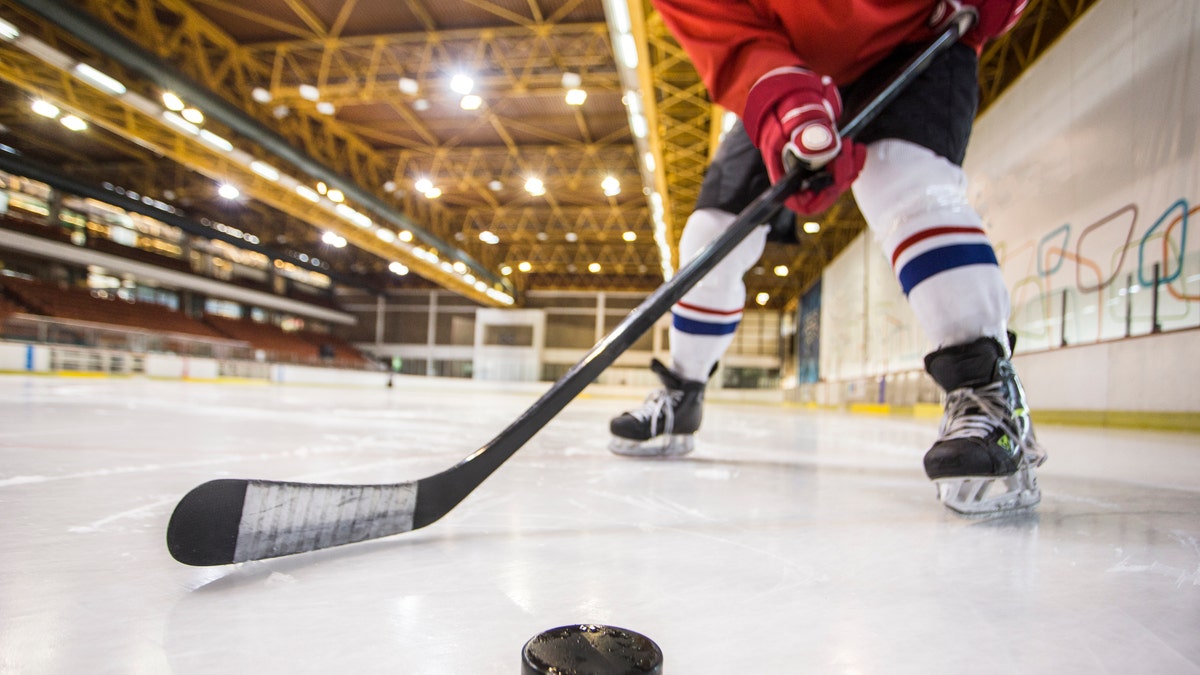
pixel 912 192
pixel 705 319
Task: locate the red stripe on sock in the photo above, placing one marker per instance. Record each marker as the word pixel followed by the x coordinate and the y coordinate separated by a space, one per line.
pixel 706 310
pixel 932 232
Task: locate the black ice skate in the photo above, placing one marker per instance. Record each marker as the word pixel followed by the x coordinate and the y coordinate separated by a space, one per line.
pixel 984 458
pixel 666 424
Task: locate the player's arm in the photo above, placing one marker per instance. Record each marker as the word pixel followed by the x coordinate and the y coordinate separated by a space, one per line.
pixel 747 62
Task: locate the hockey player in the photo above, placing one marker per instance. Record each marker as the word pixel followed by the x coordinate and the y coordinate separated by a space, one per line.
pixel 786 65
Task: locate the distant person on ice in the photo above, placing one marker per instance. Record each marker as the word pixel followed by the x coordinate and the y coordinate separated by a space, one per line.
pixel 786 66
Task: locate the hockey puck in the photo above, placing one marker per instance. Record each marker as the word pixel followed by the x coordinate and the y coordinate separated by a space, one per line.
pixel 589 649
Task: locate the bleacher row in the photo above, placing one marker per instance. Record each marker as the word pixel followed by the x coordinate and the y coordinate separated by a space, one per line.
pixel 47 299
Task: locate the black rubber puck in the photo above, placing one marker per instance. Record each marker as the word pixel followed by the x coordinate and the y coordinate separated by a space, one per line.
pixel 589 649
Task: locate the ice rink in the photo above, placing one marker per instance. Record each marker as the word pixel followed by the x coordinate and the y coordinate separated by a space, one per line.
pixel 793 541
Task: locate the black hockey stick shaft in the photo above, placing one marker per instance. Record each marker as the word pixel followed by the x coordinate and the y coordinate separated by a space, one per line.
pixel 229 520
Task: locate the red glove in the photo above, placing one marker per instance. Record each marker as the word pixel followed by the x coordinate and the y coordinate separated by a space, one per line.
pixel 995 17
pixel 791 115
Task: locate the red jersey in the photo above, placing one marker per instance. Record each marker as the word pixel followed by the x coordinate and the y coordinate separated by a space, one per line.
pixel 735 42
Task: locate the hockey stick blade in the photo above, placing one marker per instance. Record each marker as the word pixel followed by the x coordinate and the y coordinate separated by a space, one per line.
pixel 227 521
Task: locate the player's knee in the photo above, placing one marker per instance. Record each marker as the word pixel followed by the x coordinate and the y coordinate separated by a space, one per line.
pixel 904 187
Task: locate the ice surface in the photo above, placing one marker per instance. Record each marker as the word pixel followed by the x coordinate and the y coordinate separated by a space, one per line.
pixel 791 541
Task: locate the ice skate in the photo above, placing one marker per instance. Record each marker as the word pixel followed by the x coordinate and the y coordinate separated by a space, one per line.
pixel 985 456
pixel 666 424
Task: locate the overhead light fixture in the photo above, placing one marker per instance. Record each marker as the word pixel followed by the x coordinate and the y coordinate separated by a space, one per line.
pixel 261 95
pixel 172 101
pixel 227 191
pixel 326 108
pixel 630 236
pixel 495 185
pixel 98 79
pixel 215 140
pixel 409 86
pixel 420 105
pixel 308 193
pixel 192 115
pixel 309 92
pixel 322 188
pixel 576 96
pixel 489 237
pixel 611 186
pixel 524 266
pixel 265 170
pixel 73 123
pixel 781 270
pixel 594 267
pixel 535 187
pixel 462 83
pixel 8 32
pixel 45 108
pixel 648 160
pixel 470 102
pixel 389 186
pixel 180 123
pixel 505 270
pixel 571 237
pixel 405 235
pixel 398 269
pixel 433 193
pixel 762 298
pixel 335 195
pixel 423 185
pixel 812 227
pixel 627 48
pixel 459 266
pixel 334 239
pixel 385 234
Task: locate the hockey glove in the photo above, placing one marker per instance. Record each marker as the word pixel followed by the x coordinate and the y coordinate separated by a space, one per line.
pixel 791 115
pixel 994 17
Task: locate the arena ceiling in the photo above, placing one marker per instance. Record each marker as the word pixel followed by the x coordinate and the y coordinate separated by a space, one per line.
pixel 354 97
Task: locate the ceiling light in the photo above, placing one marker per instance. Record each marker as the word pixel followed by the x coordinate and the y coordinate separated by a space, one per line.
pixel 648 160
pixel 398 269
pixel 265 170
pixel 385 234
pixel 611 186
pixel 629 236
pixel 45 108
pixel 389 186
pixel 627 48
pixel 228 191
pixel 420 105
pixel 489 237
pixel 459 266
pixel 8 31
pixel 309 92
pixel 308 193
pixel 505 270
pixel 470 102
pixel 480 286
pixel 571 237
pixel 637 123
pixel 280 111
pixel 99 79
pixel 571 80
pixel 423 185
pixel 326 108
pixel 73 123
pixel 408 86
pixel 576 96
pixel 180 123
pixel 433 193
pixel 261 95
pixel 594 267
pixel 812 227
pixel 535 187
pixel 172 102
pixel 762 298
pixel 524 266
pixel 322 187
pixel 192 115
pixel 495 186
pixel 781 270
pixel 462 84
pixel 335 195
pixel 405 235
pixel 334 239
pixel 215 140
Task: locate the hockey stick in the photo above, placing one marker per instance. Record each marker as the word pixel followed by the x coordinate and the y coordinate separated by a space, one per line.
pixel 231 520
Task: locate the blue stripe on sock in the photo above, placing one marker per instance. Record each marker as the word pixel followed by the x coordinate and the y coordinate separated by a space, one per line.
pixel 694 327
pixel 945 258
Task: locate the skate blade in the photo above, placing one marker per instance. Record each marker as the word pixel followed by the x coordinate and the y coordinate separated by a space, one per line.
pixel 983 495
pixel 674 445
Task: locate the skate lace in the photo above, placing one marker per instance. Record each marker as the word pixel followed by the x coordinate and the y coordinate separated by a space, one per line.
pixel 660 402
pixel 975 413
